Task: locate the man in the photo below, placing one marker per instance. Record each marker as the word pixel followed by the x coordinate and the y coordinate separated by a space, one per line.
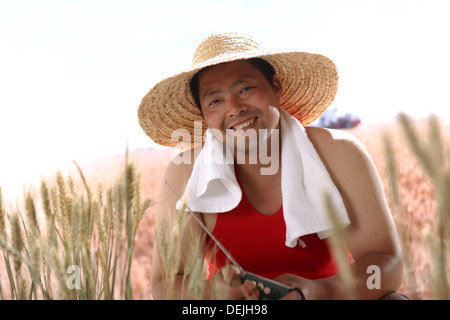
pixel 242 94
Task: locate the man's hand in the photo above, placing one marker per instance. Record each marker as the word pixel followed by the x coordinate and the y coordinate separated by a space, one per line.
pixel 230 277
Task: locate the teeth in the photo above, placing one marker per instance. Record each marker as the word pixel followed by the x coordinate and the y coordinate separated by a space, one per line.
pixel 244 124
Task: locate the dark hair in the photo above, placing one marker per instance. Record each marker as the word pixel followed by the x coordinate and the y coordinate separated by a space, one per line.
pixel 260 64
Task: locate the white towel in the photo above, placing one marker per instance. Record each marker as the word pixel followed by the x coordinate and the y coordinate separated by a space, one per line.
pixel 213 187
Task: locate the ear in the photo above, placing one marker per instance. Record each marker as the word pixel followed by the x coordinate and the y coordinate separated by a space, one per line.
pixel 276 84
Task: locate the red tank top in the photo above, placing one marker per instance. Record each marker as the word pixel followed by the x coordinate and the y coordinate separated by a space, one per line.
pixel 257 242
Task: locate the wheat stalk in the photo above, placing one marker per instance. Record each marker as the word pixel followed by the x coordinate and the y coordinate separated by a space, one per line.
pixel 2 217
pixel 338 239
pixel 77 235
pixel 432 156
pixel 399 214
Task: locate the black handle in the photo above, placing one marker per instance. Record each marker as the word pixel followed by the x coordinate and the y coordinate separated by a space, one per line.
pixel 270 289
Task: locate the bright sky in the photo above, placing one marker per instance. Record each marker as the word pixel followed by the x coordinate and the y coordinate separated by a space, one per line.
pixel 73 72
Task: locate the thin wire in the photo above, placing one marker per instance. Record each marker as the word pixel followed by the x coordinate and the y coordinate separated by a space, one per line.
pixel 229 256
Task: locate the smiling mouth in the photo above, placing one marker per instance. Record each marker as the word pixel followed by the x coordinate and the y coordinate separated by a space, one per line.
pixel 244 125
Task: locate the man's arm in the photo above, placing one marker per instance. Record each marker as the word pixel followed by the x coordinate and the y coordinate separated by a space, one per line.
pixel 191 237
pixel 166 221
pixel 373 239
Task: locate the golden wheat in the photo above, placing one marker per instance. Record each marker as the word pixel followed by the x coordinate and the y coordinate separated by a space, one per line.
pixel 80 244
pixel 82 251
pixel 432 155
pixel 399 215
pixel 2 217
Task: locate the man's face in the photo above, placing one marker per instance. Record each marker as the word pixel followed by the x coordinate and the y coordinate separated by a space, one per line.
pixel 235 97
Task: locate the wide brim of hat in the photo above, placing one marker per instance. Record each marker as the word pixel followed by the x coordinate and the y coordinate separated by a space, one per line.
pixel 170 117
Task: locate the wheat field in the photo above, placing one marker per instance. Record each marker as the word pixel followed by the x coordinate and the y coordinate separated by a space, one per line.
pixel 418 212
pixel 418 201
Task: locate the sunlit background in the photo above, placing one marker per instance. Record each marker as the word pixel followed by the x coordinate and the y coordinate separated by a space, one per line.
pixel 72 73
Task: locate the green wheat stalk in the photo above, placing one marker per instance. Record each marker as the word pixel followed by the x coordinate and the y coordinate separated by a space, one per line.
pixel 80 229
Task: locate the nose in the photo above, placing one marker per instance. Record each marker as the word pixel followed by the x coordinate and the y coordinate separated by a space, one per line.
pixel 236 106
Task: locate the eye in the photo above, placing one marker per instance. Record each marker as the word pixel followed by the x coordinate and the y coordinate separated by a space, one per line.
pixel 247 89
pixel 214 102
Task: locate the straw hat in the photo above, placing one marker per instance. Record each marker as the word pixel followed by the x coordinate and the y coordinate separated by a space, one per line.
pixel 309 84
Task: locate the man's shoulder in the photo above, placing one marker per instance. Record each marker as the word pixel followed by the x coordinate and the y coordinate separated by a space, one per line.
pixel 331 138
pixel 339 150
